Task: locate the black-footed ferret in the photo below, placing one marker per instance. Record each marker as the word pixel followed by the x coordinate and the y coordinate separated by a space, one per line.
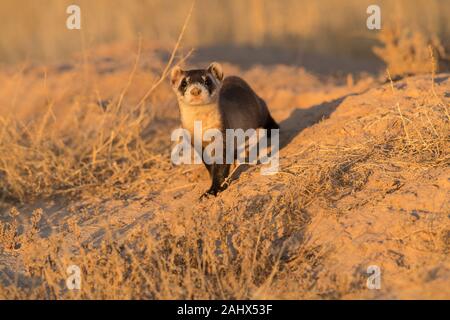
pixel 204 95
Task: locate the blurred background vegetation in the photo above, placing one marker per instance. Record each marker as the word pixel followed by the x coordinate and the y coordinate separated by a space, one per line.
pixel 35 29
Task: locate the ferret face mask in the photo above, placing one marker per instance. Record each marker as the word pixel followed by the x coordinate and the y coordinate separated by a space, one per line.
pixel 199 86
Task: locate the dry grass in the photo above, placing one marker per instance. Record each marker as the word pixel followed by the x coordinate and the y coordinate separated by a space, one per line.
pixel 407 53
pixel 87 134
pixel 91 154
pixel 188 254
pixel 196 264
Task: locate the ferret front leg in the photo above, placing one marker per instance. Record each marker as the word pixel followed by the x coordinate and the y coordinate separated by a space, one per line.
pixel 219 172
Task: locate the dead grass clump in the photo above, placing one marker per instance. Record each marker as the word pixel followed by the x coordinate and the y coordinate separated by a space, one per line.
pixel 13 234
pixel 406 52
pixel 9 232
pixel 96 149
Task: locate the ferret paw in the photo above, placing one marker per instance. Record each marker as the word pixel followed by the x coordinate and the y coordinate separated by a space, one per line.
pixel 208 194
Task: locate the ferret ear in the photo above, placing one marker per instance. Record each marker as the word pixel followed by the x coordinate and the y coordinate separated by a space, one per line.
pixel 216 70
pixel 175 75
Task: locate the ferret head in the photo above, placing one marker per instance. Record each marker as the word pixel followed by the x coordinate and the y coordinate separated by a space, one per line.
pixel 197 87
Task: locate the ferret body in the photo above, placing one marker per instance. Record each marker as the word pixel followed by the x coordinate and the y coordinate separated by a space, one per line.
pixel 204 95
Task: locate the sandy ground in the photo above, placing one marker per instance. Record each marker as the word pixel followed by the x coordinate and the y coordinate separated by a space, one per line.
pixel 396 219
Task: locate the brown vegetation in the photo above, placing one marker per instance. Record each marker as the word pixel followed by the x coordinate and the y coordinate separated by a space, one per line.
pixel 86 180
pixel 407 53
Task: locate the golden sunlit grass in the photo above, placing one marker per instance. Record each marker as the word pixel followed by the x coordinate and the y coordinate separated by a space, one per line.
pixel 406 52
pixel 97 133
pixel 97 150
pixel 189 254
pixel 154 262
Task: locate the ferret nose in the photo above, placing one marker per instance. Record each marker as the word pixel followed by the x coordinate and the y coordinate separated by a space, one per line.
pixel 195 92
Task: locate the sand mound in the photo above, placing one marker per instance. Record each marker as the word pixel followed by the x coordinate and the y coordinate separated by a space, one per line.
pixel 364 181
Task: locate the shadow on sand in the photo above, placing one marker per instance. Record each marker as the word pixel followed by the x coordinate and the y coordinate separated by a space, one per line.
pixel 298 120
pixel 323 64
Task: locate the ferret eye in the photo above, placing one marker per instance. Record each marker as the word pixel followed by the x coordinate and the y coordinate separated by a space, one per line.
pixel 208 82
pixel 183 84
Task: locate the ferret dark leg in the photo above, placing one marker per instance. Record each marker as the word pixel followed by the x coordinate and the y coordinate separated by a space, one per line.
pixel 209 168
pixel 219 173
pixel 271 123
